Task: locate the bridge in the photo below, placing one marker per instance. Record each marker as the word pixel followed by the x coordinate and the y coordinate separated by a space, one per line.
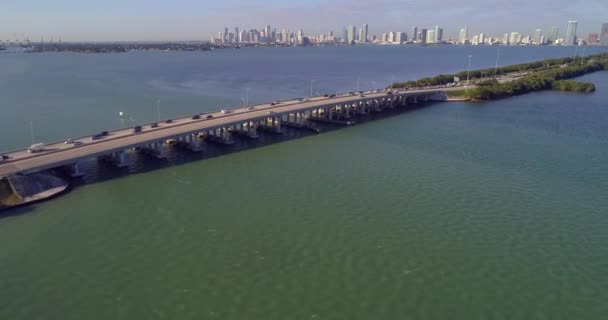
pixel 220 127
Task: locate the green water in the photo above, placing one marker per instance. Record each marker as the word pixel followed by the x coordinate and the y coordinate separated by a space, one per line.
pixel 455 211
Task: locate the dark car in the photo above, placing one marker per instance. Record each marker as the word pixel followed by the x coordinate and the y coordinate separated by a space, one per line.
pixel 137 129
pixel 196 116
pixel 4 157
pixel 103 133
pixel 326 95
pixel 389 92
pixel 154 125
pixel 169 121
pixel 332 95
pixel 209 116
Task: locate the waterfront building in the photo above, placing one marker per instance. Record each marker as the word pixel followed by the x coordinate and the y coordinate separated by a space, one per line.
pixel 430 36
pixel 438 34
pixel 505 39
pixel 604 34
pixel 593 38
pixel 363 33
pixel 384 38
pixel 400 37
pixel 414 33
pixel 475 40
pixel 482 38
pixel 570 39
pixel 352 31
pixel 537 36
pixel 514 38
pixel 422 36
pixel 554 34
pixel 344 35
pixel 464 35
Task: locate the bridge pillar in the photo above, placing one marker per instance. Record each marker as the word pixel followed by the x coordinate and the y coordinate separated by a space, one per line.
pixel 75 170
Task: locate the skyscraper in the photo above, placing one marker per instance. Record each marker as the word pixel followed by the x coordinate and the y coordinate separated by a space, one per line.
pixel 537 35
pixel 422 36
pixel 352 32
pixel 554 34
pixel 363 33
pixel 438 34
pixel 514 38
pixel 267 32
pixel 571 33
pixel 414 33
pixel 430 36
pixel 604 34
pixel 285 36
pixel 344 35
pixel 464 35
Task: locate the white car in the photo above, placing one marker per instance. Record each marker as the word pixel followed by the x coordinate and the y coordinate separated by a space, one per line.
pixel 225 111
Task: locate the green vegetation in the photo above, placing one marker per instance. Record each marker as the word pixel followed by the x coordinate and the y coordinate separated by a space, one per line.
pixel 526 77
pixel 541 80
pixel 574 86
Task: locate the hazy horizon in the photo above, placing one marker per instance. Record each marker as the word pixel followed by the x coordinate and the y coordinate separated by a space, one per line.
pixel 181 20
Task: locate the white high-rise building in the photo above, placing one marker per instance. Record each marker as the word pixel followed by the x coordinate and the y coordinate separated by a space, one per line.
pixel 514 38
pixel 438 34
pixel 363 33
pixel 464 35
pixel 352 32
pixel 537 36
pixel 430 36
pixel 400 37
pixel 482 38
pixel 570 39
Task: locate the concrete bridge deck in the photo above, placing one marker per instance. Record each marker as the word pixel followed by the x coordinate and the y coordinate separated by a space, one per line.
pixel 60 154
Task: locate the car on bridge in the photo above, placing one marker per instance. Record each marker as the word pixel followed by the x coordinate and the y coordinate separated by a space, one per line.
pixel 196 116
pixel 4 157
pixel 137 129
pixel 154 125
pixel 209 116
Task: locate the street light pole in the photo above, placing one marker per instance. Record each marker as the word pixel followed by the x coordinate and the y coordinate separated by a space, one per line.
pixel 468 72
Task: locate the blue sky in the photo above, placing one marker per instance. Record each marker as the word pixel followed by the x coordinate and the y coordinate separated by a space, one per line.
pixel 102 20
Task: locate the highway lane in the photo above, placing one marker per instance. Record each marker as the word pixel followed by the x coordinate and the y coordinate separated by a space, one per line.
pixel 61 154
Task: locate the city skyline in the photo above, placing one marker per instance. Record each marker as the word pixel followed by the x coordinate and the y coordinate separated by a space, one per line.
pixel 140 20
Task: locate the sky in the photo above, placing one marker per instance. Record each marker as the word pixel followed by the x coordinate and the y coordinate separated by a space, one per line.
pixel 157 20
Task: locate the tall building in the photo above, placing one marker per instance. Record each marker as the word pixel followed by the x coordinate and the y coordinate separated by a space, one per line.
pixel 400 37
pixel 300 36
pixel 482 38
pixel 604 34
pixel 267 33
pixel 414 33
pixel 514 38
pixel 438 34
pixel 285 36
pixel 537 36
pixel 570 39
pixel 505 39
pixel 464 35
pixel 593 38
pixel 422 36
pixel 344 35
pixel 430 36
pixel 363 33
pixel 352 31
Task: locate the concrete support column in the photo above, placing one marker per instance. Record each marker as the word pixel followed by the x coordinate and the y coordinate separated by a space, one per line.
pixel 75 170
